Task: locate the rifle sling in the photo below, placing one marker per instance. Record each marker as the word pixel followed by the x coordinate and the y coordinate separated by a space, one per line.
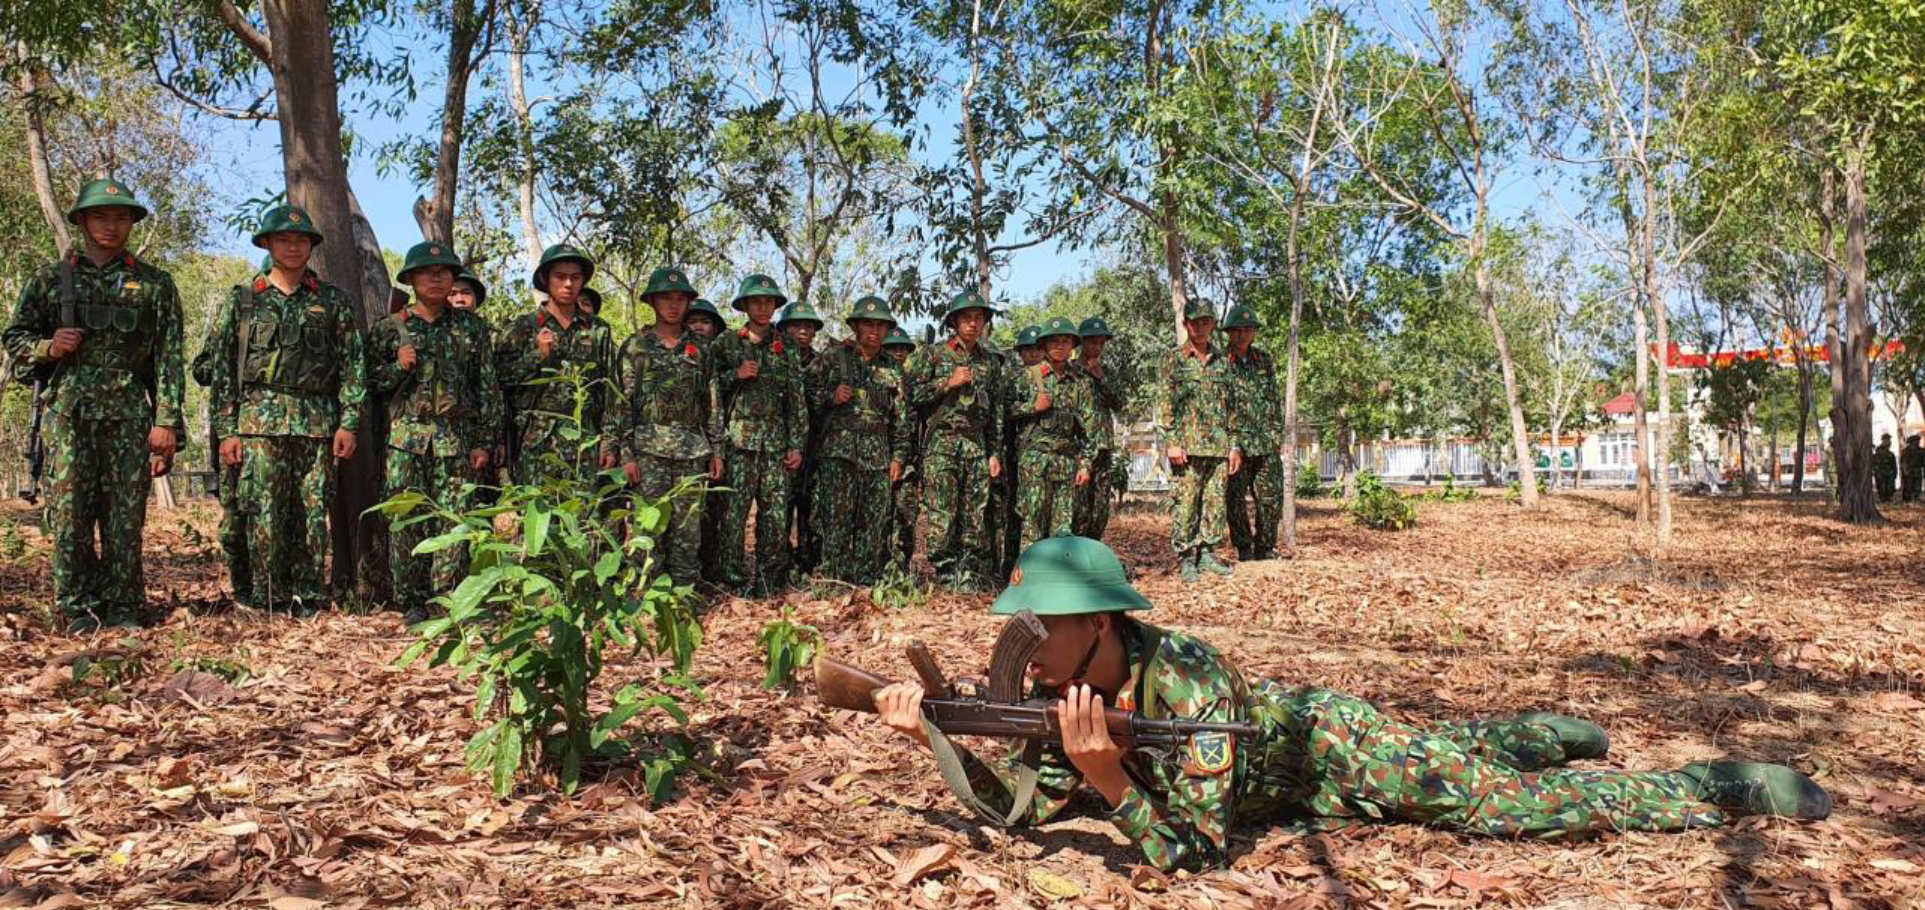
pixel 949 763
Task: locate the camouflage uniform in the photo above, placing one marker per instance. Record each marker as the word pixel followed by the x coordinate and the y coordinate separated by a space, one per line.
pixel 232 532
pixel 1885 469
pixel 1192 413
pixel 1093 499
pixel 539 403
pixel 1327 759
pixel 438 412
pixel 1911 462
pixel 302 377
pixel 668 420
pixel 859 440
pixel 964 426
pixel 767 418
pixel 905 494
pixel 1053 445
pixel 808 541
pixel 124 379
pixel 1256 420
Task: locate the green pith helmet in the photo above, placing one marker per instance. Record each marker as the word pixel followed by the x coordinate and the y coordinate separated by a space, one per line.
pixel 1095 327
pixel 1198 309
pixel 97 194
pixel 871 307
pixel 560 252
pixel 758 286
pixel 967 300
pixel 286 219
pixel 591 299
pixel 1026 337
pixel 481 288
pixel 798 312
pixel 1067 575
pixel 701 305
pixel 668 279
pixel 427 253
pixel 898 337
pixel 1241 317
pixel 1057 325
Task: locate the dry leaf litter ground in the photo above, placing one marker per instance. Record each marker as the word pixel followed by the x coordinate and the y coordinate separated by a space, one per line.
pixel 326 779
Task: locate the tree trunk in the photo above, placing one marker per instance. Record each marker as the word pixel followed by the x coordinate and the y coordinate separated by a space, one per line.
pixel 1660 314
pixel 1173 263
pixel 1520 436
pixel 1773 481
pixel 1640 420
pixel 1557 443
pixel 1851 366
pixel 30 83
pixel 519 34
pixel 1804 420
pixel 436 215
pixel 978 186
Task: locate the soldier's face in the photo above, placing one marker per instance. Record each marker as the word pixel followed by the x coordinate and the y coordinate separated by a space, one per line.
pixel 107 226
pixel 671 306
pixel 704 325
pixel 290 250
pixel 1031 355
pixel 1200 330
pixel 869 334
pixel 1240 339
pixel 899 353
pixel 970 325
pixel 432 283
pixel 801 334
pixel 1058 347
pixel 565 282
pixel 1093 348
pixel 1069 639
pixel 463 297
pixel 760 309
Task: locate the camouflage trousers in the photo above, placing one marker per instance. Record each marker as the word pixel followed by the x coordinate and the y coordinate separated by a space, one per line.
pixel 1005 519
pixel 540 452
pixel 678 546
pixel 417 579
pixel 1046 496
pixel 282 495
pixel 232 535
pixel 1196 506
pixel 852 508
pixel 1259 480
pixel 907 510
pixel 715 511
pixel 1337 758
pixel 807 551
pixel 1093 499
pixel 955 491
pixel 758 480
pixel 97 484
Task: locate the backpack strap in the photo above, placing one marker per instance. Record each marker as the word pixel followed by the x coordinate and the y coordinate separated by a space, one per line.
pixel 68 319
pixel 242 309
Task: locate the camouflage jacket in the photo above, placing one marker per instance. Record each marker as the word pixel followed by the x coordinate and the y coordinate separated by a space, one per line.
pixel 129 365
pixel 1068 427
pixel 527 380
pixel 971 414
pixel 1912 459
pixel 769 413
pixel 1885 462
pixel 1256 407
pixel 873 426
pixel 299 355
pixel 668 404
pixel 1192 405
pixel 450 403
pixel 1109 403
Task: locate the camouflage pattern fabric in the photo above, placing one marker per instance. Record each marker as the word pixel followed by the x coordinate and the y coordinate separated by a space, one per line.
pixel 1052 445
pixel 1253 531
pixel 963 426
pixel 417 579
pixel 678 549
pixel 1325 758
pixel 758 480
pixel 860 438
pixel 232 531
pixel 905 512
pixel 450 403
pixel 1256 421
pixel 1093 501
pixel 715 509
pixel 1002 519
pixel 1197 520
pixel 808 542
pixel 539 404
pixel 1911 462
pixel 765 418
pixel 667 419
pixel 283 491
pixel 1192 412
pixel 124 379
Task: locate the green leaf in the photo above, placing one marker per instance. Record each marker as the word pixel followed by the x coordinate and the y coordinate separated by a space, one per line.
pixel 441 542
pixel 507 760
pixel 607 566
pixel 535 530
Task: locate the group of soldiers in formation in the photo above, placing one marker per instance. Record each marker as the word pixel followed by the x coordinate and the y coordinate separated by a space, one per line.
pixel 1889 467
pixel 832 454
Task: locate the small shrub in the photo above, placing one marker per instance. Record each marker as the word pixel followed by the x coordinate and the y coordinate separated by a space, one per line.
pixel 898 589
pixel 1514 493
pixel 1309 482
pixel 787 647
pixel 1378 507
pixel 1451 492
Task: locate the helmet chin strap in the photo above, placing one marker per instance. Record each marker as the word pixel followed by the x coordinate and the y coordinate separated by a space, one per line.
pixel 1083 666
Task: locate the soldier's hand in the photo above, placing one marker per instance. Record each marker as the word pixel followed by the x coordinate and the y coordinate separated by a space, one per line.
pixel 544 343
pixel 1043 401
pixel 632 471
pixel 343 445
pixel 478 460
pixel 608 460
pixel 1087 742
pixel 843 394
pixel 1082 477
pixel 791 461
pixel 959 377
pixel 715 467
pixel 64 342
pixel 158 466
pixel 231 451
pixel 1178 457
pixel 895 469
pixel 900 707
pixel 406 358
pixel 160 441
pixel 995 467
pixel 1236 460
pixel 749 369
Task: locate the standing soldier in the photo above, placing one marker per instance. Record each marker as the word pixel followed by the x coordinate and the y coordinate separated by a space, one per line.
pixel 704 320
pixel 799 324
pixel 1005 521
pixel 1029 347
pixel 1885 468
pixel 1911 463
pixel 1191 417
pixel 905 493
pixel 232 533
pixel 1093 498
pixel 532 356
pixel 766 415
pixel 865 435
pixel 436 367
pixel 667 422
pixel 288 387
pixel 1256 419
pixel 1053 407
pixel 469 292
pixel 957 384
pixel 591 302
pixel 102 330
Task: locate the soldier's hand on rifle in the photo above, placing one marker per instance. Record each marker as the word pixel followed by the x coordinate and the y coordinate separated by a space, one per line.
pixel 843 394
pixel 478 460
pixel 1178 457
pixel 895 469
pixel 1087 743
pixel 632 471
pixel 343 445
pixel 231 452
pixel 995 467
pixel 715 467
pixel 160 441
pixel 64 342
pixel 545 343
pixel 1236 460
pixel 158 466
pixel 900 707
pixel 406 358
pixel 791 461
pixel 749 369
pixel 1082 477
pixel 1043 401
pixel 959 377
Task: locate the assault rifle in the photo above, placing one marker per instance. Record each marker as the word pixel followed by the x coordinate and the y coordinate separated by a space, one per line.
pixel 36 449
pixel 999 706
